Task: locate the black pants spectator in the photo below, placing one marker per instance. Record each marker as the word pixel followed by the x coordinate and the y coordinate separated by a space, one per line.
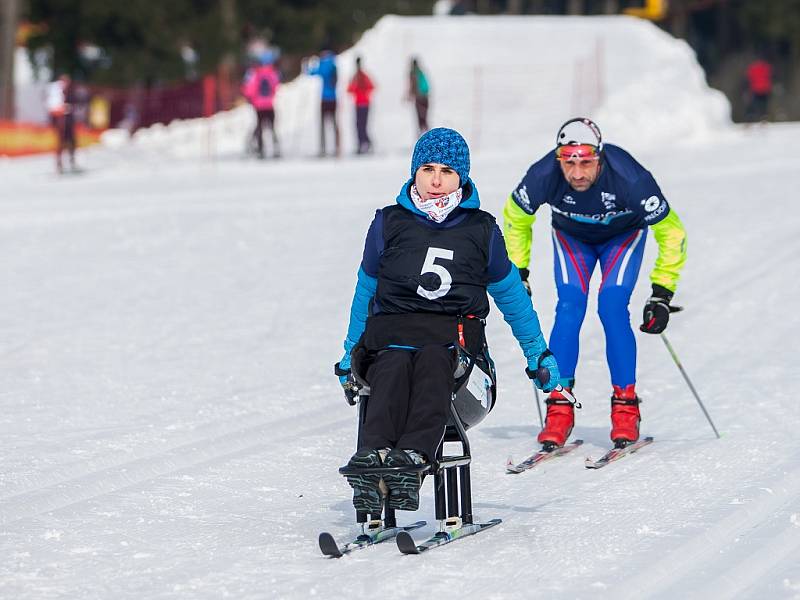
pixel 265 117
pixel 364 143
pixel 421 104
pixel 328 113
pixel 65 132
pixel 409 401
pixel 757 107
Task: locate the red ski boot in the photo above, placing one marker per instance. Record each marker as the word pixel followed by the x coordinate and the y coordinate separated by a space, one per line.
pixel 625 416
pixel 559 421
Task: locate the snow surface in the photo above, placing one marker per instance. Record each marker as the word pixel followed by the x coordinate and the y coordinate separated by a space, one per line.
pixel 171 427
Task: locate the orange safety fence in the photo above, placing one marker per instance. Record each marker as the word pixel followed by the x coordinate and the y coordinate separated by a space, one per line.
pixel 20 139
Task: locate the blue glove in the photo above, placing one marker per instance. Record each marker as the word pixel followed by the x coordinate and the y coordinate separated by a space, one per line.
pixel 544 371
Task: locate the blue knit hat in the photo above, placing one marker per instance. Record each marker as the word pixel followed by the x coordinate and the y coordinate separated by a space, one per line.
pixel 443 146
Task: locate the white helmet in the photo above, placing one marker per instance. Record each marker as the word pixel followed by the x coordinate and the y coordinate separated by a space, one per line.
pixel 579 132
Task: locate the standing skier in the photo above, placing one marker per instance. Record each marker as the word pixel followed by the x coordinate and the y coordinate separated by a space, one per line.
pixel 602 202
pixel 325 67
pixel 419 93
pixel 60 101
pixel 259 87
pixel 427 264
pixel 361 88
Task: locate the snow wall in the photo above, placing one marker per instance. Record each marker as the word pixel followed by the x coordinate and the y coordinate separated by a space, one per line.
pixel 501 81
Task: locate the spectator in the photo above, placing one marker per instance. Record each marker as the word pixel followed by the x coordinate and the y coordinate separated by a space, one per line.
pixel 325 67
pixel 759 89
pixel 361 88
pixel 59 102
pixel 259 87
pixel 418 91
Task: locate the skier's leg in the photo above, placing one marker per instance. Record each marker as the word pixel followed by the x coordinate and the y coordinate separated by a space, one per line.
pixel 429 405
pixel 431 389
pixel 386 411
pixel 57 122
pixel 361 126
pixel 322 118
pixel 367 141
pixel 336 138
pixel 620 261
pixel 276 148
pixel 389 379
pixel 258 134
pixel 573 266
pixel 573 263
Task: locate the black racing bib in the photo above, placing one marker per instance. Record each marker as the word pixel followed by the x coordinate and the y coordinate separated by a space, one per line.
pixel 431 269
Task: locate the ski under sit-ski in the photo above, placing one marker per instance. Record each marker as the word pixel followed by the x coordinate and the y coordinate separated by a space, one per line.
pixel 407 545
pixel 370 537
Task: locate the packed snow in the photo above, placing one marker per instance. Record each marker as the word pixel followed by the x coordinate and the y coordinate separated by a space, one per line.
pixel 171 426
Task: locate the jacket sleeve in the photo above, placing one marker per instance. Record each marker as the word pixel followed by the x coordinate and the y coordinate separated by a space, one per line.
pixel 359 309
pixel 518 233
pixel 512 300
pixel 671 239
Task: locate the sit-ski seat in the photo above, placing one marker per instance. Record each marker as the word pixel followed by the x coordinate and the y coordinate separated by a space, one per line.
pixel 472 399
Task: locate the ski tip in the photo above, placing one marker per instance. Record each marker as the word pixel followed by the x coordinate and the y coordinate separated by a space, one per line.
pixel 328 545
pixel 406 543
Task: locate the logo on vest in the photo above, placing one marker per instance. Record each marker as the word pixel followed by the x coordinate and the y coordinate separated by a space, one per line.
pixel 609 200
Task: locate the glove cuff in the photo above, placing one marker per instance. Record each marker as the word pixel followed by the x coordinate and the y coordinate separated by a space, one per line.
pixel 524 273
pixel 662 294
pixel 339 372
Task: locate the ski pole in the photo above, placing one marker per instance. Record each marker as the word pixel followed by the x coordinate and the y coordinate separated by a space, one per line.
pixel 686 377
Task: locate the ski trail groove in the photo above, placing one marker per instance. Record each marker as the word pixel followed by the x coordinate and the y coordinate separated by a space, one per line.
pixel 704 549
pixel 79 488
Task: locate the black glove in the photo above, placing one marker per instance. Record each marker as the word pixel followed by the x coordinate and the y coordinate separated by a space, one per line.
pixel 349 384
pixel 524 274
pixel 656 312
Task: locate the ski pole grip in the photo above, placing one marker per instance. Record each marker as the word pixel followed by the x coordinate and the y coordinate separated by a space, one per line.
pixel 542 374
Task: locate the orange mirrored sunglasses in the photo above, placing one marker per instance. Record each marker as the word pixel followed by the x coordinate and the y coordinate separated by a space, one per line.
pixel 577 152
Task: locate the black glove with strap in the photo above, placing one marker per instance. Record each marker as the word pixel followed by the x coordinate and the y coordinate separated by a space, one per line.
pixel 524 274
pixel 656 312
pixel 349 384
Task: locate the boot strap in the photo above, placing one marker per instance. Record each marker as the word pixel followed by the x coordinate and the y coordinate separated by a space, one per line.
pixel 552 401
pixel 636 401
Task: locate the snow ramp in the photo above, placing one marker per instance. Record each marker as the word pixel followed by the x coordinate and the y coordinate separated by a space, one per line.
pixel 500 80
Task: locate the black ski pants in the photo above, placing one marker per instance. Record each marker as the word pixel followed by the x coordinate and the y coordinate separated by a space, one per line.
pixel 362 115
pixel 409 402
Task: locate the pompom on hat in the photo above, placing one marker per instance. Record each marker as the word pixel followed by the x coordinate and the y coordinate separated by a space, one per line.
pixel 444 146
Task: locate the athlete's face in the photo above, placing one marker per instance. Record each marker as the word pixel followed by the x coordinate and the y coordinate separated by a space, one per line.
pixel 434 180
pixel 580 173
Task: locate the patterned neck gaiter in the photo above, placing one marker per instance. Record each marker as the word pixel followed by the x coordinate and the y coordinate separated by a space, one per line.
pixel 437 209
